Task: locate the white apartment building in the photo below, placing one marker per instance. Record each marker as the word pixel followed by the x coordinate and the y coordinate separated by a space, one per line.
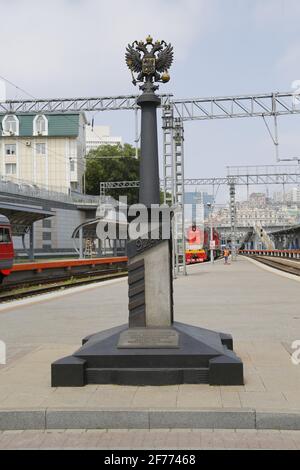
pixel 97 136
pixel 247 217
pixel 46 150
pixel 291 196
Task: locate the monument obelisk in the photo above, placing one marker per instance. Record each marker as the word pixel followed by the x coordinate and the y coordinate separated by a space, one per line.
pixel 151 349
pixel 149 265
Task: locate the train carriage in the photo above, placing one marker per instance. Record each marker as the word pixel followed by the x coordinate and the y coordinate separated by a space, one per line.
pixel 6 248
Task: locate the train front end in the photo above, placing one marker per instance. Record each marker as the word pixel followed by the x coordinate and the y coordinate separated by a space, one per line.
pixel 195 252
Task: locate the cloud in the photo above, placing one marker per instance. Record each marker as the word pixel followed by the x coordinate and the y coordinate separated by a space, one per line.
pixel 76 47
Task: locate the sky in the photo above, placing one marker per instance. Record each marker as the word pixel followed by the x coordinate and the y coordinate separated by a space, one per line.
pixel 70 48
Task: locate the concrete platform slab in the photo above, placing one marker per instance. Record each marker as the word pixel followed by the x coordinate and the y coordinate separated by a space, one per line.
pixel 259 308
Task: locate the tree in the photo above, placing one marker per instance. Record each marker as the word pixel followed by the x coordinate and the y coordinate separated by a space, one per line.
pixel 112 169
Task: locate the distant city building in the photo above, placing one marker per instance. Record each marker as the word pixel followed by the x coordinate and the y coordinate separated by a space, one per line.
pixel 291 196
pixel 258 200
pixel 46 150
pixel 247 217
pixel 278 197
pixel 98 136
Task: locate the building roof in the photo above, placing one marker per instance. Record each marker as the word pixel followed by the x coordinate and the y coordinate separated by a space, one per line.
pixel 59 124
pixel 292 229
pixel 20 216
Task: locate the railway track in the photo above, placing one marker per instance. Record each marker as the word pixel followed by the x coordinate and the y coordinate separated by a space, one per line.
pixel 286 265
pixel 29 289
pixel 27 280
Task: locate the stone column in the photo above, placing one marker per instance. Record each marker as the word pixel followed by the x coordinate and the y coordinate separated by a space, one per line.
pixel 149 171
pixel 149 265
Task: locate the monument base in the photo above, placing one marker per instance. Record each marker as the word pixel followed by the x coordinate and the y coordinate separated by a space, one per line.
pixel 199 357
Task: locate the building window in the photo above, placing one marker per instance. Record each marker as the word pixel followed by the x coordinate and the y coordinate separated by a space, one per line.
pixel 10 168
pixel 72 165
pixel 41 149
pixel 46 246
pixel 40 125
pixel 46 236
pixel 10 149
pixel 4 235
pixel 46 223
pixel 10 125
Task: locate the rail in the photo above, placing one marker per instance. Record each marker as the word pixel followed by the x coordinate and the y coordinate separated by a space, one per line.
pixel 31 279
pixel 291 254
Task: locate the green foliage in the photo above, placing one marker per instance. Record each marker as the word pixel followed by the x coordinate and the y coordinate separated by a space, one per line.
pixel 112 169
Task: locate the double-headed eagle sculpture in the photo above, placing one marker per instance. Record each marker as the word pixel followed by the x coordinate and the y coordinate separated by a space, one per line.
pixel 150 61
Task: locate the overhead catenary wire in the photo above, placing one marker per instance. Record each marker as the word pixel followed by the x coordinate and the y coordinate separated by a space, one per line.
pixel 61 114
pixel 59 156
pixel 16 86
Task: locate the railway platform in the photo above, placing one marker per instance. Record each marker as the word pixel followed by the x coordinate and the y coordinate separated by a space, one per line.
pixel 49 273
pixel 258 306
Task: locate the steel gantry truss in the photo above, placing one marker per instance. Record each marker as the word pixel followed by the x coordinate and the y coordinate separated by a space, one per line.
pixel 269 104
pixel 293 177
pixel 71 105
pixel 174 113
pixel 104 185
pixel 187 109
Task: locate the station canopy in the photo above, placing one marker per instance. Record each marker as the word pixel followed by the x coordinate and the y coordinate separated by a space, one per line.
pixel 288 230
pixel 21 217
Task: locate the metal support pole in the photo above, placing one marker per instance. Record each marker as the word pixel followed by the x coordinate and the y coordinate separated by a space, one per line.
pixel 102 188
pixel 211 239
pixel 178 163
pixel 168 155
pixel 81 243
pixel 232 220
pixel 173 183
pixel 211 236
pixel 276 143
pixel 169 173
pixel 31 243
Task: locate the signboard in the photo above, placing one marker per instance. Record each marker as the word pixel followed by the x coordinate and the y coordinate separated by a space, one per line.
pixel 212 245
pixel 137 338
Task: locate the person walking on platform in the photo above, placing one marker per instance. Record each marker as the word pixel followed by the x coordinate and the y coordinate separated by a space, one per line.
pixel 226 255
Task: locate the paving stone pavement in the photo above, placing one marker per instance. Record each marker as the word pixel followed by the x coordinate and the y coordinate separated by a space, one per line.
pixel 260 309
pixel 136 439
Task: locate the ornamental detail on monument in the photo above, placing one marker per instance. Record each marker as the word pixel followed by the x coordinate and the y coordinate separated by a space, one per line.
pixel 150 61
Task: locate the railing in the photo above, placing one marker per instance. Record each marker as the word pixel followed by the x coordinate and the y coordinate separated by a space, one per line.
pixel 292 254
pixel 68 264
pixel 24 188
pixel 265 223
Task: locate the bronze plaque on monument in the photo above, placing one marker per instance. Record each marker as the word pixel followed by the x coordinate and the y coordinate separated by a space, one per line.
pixel 149 338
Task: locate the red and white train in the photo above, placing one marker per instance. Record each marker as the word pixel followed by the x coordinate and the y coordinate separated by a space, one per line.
pixel 6 248
pixel 198 244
